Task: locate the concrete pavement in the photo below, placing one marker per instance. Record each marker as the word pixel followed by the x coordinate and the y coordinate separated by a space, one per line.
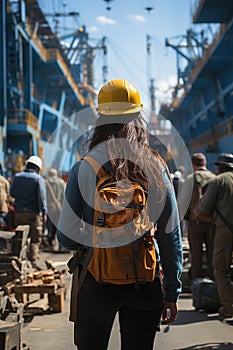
pixel 191 331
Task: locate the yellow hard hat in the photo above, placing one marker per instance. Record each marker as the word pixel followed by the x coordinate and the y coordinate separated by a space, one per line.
pixel 118 97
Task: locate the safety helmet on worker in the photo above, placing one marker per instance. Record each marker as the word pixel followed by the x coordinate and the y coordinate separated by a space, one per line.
pixel 225 159
pixel 119 97
pixel 35 160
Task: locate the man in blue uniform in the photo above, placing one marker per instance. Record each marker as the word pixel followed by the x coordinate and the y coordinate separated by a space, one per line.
pixel 28 189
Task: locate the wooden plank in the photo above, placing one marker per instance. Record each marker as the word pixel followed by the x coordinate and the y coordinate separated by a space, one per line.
pixel 36 287
pixel 6 234
pixel 56 301
pixel 21 298
pixel 9 335
pixel 20 240
pixel 38 307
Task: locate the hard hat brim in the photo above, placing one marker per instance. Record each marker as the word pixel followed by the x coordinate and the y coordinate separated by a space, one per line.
pixel 229 165
pixel 118 108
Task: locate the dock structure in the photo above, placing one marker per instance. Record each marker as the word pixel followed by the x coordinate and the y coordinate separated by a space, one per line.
pixel 44 83
pixel 201 108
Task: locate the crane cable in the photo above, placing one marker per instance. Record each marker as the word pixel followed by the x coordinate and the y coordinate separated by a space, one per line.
pixel 129 69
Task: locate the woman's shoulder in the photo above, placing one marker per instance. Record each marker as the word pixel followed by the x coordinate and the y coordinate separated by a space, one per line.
pixel 82 168
pixel 77 164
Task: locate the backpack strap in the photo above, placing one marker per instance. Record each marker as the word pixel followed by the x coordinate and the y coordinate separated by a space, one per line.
pixel 77 278
pixel 96 166
pixel 85 267
pixel 57 203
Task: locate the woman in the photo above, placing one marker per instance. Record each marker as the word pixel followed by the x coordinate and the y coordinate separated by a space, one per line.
pixel 119 143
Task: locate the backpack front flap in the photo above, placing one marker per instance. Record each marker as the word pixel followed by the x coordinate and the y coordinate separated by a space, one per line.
pixel 122 206
pixel 119 265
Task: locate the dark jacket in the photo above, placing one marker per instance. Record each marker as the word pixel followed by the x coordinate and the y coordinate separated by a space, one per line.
pixel 28 189
pixel 219 195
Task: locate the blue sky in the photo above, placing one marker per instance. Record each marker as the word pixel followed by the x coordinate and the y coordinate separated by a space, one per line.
pixel 126 26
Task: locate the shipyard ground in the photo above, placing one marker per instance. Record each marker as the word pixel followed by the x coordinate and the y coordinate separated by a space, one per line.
pixel 192 330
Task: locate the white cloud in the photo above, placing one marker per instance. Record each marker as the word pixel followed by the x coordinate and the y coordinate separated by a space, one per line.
pixel 137 18
pixel 173 80
pixel 165 85
pixel 93 29
pixel 106 20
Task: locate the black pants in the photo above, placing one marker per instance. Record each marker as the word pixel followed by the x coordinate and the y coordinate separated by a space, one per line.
pixel 52 230
pixel 139 314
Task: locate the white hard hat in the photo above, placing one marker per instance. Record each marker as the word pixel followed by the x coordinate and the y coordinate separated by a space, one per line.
pixel 35 160
pixel 177 174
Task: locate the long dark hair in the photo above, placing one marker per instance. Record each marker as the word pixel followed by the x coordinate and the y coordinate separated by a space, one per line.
pixel 137 161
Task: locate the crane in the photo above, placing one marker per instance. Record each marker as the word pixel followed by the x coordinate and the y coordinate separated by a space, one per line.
pixel 57 15
pixel 150 78
pixel 78 50
pixel 190 47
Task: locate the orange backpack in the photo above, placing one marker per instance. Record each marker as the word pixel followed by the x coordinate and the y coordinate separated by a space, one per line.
pixel 121 208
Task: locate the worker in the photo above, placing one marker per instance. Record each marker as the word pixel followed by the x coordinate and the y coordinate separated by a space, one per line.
pixel 55 187
pixel 120 143
pixel 200 233
pixel 218 202
pixel 28 189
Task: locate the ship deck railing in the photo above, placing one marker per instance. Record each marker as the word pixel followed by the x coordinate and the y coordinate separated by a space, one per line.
pixel 54 54
pixel 211 136
pixel 22 116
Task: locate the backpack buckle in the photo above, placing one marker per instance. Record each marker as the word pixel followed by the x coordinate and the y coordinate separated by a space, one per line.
pixel 100 219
